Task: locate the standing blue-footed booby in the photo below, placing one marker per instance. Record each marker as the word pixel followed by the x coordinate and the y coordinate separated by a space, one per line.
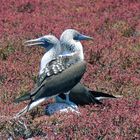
pixel 80 94
pixel 67 49
pixel 60 76
pixel 54 49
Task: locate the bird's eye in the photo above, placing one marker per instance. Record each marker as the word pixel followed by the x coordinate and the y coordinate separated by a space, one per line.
pixel 76 37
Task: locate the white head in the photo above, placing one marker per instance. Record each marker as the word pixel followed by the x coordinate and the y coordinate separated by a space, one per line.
pixel 69 34
pixel 70 42
pixel 47 41
pixel 52 46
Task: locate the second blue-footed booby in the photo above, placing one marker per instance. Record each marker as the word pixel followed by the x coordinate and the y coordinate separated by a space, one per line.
pixel 80 95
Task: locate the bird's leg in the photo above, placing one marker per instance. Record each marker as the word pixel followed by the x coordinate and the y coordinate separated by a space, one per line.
pixel 59 100
pixel 67 97
pixel 67 101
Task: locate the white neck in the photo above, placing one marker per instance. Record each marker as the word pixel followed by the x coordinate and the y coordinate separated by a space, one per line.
pixel 72 46
pixel 48 56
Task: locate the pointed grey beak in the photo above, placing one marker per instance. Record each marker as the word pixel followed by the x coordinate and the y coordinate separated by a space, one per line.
pixel 34 42
pixel 83 37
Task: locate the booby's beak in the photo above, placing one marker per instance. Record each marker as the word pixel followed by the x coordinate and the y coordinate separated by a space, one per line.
pixel 83 37
pixel 34 42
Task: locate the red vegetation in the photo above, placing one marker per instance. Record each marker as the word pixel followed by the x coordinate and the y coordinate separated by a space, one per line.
pixel 113 66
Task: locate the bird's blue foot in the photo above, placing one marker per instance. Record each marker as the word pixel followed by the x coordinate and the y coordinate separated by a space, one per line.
pixel 67 101
pixel 71 104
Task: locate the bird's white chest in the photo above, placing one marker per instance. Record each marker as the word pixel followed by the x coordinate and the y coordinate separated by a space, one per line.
pixel 46 59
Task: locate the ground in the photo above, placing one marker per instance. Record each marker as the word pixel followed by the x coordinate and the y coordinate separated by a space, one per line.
pixel 113 59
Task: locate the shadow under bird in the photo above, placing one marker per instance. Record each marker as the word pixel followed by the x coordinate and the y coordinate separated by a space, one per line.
pixel 80 94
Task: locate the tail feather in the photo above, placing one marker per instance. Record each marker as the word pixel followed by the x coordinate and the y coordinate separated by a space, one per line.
pixel 29 95
pixel 30 106
pixel 22 112
pixel 93 99
pixel 24 97
pixel 100 95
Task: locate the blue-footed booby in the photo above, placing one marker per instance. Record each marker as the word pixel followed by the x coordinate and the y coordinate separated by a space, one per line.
pixel 80 94
pixel 60 76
